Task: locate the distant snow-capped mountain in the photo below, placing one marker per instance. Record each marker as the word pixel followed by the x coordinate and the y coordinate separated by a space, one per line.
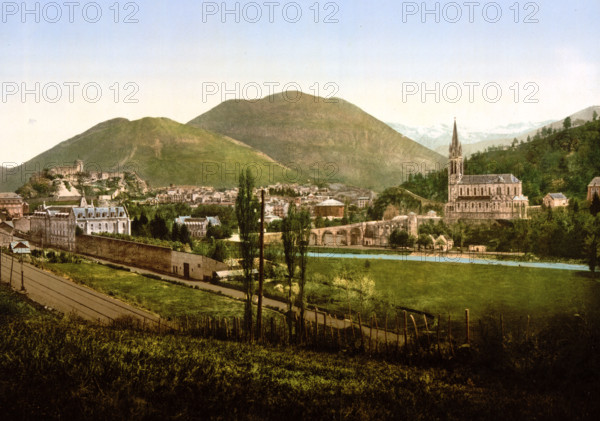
pixel 439 135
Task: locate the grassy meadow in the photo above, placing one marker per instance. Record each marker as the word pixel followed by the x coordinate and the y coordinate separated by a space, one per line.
pixel 452 287
pixel 169 300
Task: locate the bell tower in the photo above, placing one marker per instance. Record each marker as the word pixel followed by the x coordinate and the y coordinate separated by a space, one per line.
pixel 455 166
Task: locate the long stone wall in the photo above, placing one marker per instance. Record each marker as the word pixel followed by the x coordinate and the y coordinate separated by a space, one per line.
pixel 126 252
pixel 146 256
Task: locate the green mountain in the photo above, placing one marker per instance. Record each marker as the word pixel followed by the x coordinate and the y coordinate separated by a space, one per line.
pixel 328 139
pixel 160 150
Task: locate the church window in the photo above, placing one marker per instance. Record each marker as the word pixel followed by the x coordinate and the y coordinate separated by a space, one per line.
pixel 468 191
pixel 498 190
pixel 461 191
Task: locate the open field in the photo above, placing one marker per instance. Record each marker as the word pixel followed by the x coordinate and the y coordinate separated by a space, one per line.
pixel 113 373
pixel 450 288
pixel 167 299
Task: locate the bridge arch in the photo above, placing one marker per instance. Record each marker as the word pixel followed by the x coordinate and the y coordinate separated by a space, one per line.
pixel 341 237
pixel 328 238
pixel 356 236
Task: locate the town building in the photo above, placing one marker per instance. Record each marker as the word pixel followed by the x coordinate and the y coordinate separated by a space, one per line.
pixel 329 208
pixel 555 200
pixel 363 202
pixel 105 219
pixel 53 228
pixel 198 227
pixel 593 188
pixel 481 197
pixel 14 205
pixel 56 226
pixel 67 170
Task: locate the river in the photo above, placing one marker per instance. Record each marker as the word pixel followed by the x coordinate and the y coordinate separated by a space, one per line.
pixel 444 258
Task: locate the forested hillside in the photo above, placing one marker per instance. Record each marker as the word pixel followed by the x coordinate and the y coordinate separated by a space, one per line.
pixel 563 161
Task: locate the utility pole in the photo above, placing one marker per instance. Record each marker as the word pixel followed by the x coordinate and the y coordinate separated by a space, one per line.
pixel 261 266
pixel 12 262
pixel 22 277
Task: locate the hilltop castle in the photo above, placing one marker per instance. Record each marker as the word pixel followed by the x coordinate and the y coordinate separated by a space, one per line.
pixel 481 197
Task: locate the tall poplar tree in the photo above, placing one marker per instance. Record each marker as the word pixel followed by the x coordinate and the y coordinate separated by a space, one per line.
pixel 247 212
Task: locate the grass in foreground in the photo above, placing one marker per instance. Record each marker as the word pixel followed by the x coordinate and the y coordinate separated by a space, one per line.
pixel 52 368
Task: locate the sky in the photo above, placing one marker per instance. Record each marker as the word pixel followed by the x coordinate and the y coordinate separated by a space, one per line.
pixel 69 65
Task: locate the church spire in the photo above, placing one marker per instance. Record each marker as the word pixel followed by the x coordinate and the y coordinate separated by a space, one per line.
pixel 455 147
pixel 455 168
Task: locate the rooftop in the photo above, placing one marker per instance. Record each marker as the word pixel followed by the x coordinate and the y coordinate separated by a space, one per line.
pixel 594 182
pixel 9 195
pixel 490 179
pixel 331 202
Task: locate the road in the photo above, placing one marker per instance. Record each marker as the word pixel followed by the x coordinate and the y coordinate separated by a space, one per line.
pixel 67 297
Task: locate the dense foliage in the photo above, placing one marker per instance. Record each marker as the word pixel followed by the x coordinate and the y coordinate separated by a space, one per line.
pixel 405 201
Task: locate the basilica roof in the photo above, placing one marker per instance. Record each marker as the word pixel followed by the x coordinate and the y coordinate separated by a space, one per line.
pixel 489 179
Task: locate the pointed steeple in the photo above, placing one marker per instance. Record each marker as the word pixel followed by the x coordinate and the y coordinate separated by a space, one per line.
pixel 455 167
pixel 455 146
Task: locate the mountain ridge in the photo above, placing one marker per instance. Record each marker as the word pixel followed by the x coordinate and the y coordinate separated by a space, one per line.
pixel 360 149
pixel 160 150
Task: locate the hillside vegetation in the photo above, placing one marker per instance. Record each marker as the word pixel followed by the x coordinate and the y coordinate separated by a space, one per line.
pixel 565 161
pixel 329 139
pixel 160 150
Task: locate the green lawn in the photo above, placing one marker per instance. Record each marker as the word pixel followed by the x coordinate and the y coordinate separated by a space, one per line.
pixel 164 298
pixel 450 288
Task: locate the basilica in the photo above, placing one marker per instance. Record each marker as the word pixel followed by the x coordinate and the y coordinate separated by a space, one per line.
pixel 481 197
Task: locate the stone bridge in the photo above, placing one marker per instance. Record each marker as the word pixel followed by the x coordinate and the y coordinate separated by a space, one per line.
pixel 372 233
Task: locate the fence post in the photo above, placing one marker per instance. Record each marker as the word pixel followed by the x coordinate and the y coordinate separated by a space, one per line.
pixel 416 330
pixel 427 331
pixel 385 333
pixel 362 341
pixel 467 326
pixel 450 335
pixel 502 330
pixel 438 335
pixel 272 329
pixel 370 334
pixel 316 326
pixel 397 331
pixel 376 333
pixel 405 330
